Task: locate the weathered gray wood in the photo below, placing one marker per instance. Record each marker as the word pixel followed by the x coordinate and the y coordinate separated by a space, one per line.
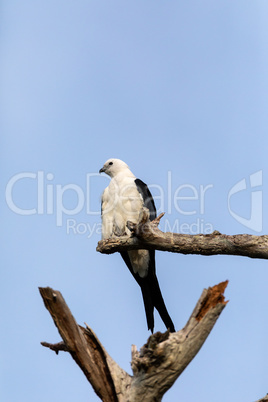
pixel 147 235
pixel 161 361
pixel 85 348
pixel 155 367
pixel 264 399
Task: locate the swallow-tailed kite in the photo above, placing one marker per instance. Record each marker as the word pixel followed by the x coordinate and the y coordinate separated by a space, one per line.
pixel 123 201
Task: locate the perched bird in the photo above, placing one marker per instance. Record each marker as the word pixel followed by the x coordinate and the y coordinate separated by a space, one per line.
pixel 122 201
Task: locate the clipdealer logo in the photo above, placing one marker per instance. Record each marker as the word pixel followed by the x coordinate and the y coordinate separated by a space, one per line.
pixel 254 201
pixel 186 200
pixel 49 196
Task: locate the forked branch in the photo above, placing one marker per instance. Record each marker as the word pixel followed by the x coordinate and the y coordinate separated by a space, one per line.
pixel 155 367
pixel 84 347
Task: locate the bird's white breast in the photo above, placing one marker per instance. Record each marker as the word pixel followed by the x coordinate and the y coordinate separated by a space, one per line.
pixel 122 202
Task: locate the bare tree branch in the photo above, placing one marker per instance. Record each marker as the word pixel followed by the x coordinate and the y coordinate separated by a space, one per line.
pixel 85 348
pixel 56 347
pixel 160 362
pixel 147 235
pixel 264 399
pixel 155 367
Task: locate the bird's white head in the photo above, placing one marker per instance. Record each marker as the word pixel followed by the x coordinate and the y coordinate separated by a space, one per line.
pixel 114 166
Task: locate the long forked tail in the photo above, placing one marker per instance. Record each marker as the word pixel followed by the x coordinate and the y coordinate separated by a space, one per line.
pixel 151 293
pixel 152 297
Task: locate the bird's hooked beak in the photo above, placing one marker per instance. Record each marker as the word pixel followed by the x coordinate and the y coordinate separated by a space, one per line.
pixel 102 170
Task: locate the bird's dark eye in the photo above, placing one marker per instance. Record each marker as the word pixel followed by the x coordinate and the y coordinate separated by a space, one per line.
pixel 110 163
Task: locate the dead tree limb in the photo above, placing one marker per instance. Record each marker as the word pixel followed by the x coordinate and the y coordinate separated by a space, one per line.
pixel 85 349
pixel 155 367
pixel 264 399
pixel 147 235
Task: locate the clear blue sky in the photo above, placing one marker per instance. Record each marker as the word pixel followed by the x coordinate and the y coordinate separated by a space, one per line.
pixel 179 91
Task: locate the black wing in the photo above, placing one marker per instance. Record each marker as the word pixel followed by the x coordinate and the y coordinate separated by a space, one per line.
pixel 147 198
